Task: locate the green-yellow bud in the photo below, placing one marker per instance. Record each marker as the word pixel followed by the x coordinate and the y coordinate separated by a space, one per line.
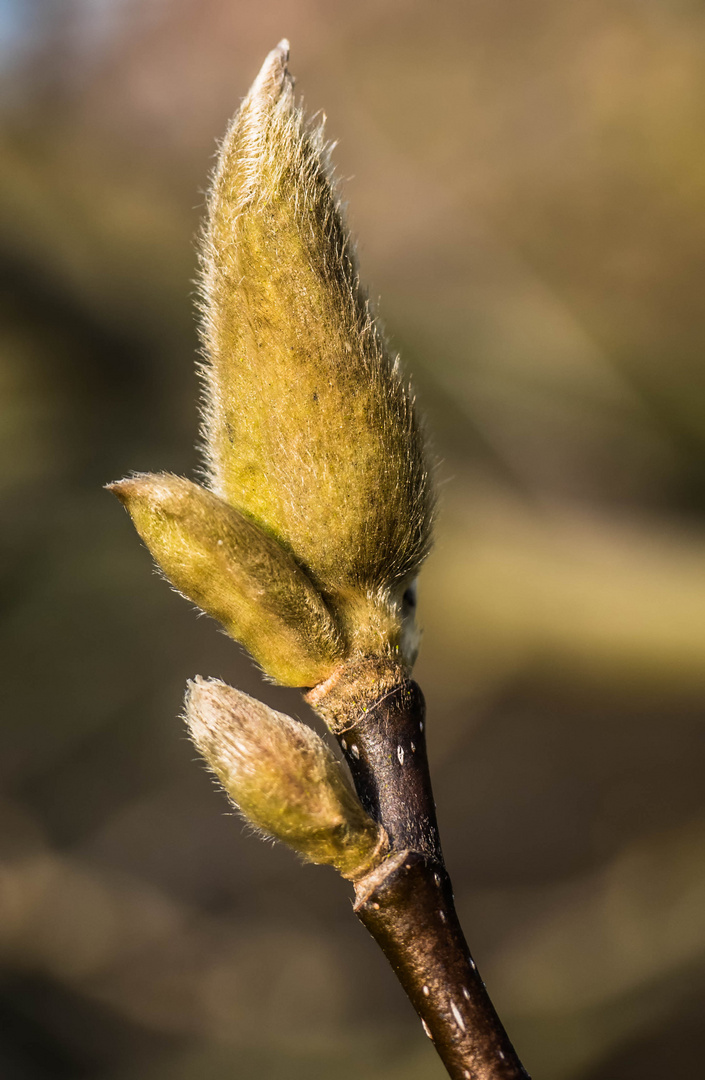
pixel 309 426
pixel 283 778
pixel 235 572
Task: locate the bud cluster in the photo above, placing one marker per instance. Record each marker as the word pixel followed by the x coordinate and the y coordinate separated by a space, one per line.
pixel 316 515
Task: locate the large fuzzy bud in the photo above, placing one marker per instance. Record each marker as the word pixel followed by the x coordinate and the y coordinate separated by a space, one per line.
pixel 283 778
pixel 310 428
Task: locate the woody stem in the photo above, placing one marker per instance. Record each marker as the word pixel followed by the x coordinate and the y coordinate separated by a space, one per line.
pixel 407 902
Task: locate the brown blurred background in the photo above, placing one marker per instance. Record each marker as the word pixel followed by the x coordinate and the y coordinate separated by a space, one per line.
pixel 527 181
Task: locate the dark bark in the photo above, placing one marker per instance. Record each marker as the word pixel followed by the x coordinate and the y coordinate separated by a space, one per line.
pixel 407 903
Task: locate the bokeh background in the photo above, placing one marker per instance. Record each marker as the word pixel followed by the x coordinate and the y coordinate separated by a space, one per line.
pixel 527 182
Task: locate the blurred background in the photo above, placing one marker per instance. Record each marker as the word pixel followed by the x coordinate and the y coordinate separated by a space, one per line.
pixel 527 182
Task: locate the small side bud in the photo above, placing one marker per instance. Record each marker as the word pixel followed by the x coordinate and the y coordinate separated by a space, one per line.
pixel 283 778
pixel 230 568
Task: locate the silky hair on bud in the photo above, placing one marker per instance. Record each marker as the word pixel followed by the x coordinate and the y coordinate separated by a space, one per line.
pixel 318 505
pixel 283 778
pixel 304 408
pixel 216 557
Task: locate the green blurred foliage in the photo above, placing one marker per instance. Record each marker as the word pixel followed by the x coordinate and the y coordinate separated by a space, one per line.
pixel 527 184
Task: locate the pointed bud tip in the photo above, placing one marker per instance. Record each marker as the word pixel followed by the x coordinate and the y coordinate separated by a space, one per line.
pixel 119 488
pixel 199 691
pixel 201 695
pixel 214 710
pixel 159 487
pixel 129 490
pixel 274 72
pixel 124 487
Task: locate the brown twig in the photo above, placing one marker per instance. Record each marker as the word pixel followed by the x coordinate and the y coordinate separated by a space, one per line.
pixel 407 902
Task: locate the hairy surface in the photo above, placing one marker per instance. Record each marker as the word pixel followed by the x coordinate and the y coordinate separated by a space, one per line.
pixel 223 562
pixel 283 778
pixel 309 427
pixel 319 503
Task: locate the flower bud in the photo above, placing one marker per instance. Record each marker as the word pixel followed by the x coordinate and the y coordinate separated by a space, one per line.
pixel 310 428
pixel 237 573
pixel 283 778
